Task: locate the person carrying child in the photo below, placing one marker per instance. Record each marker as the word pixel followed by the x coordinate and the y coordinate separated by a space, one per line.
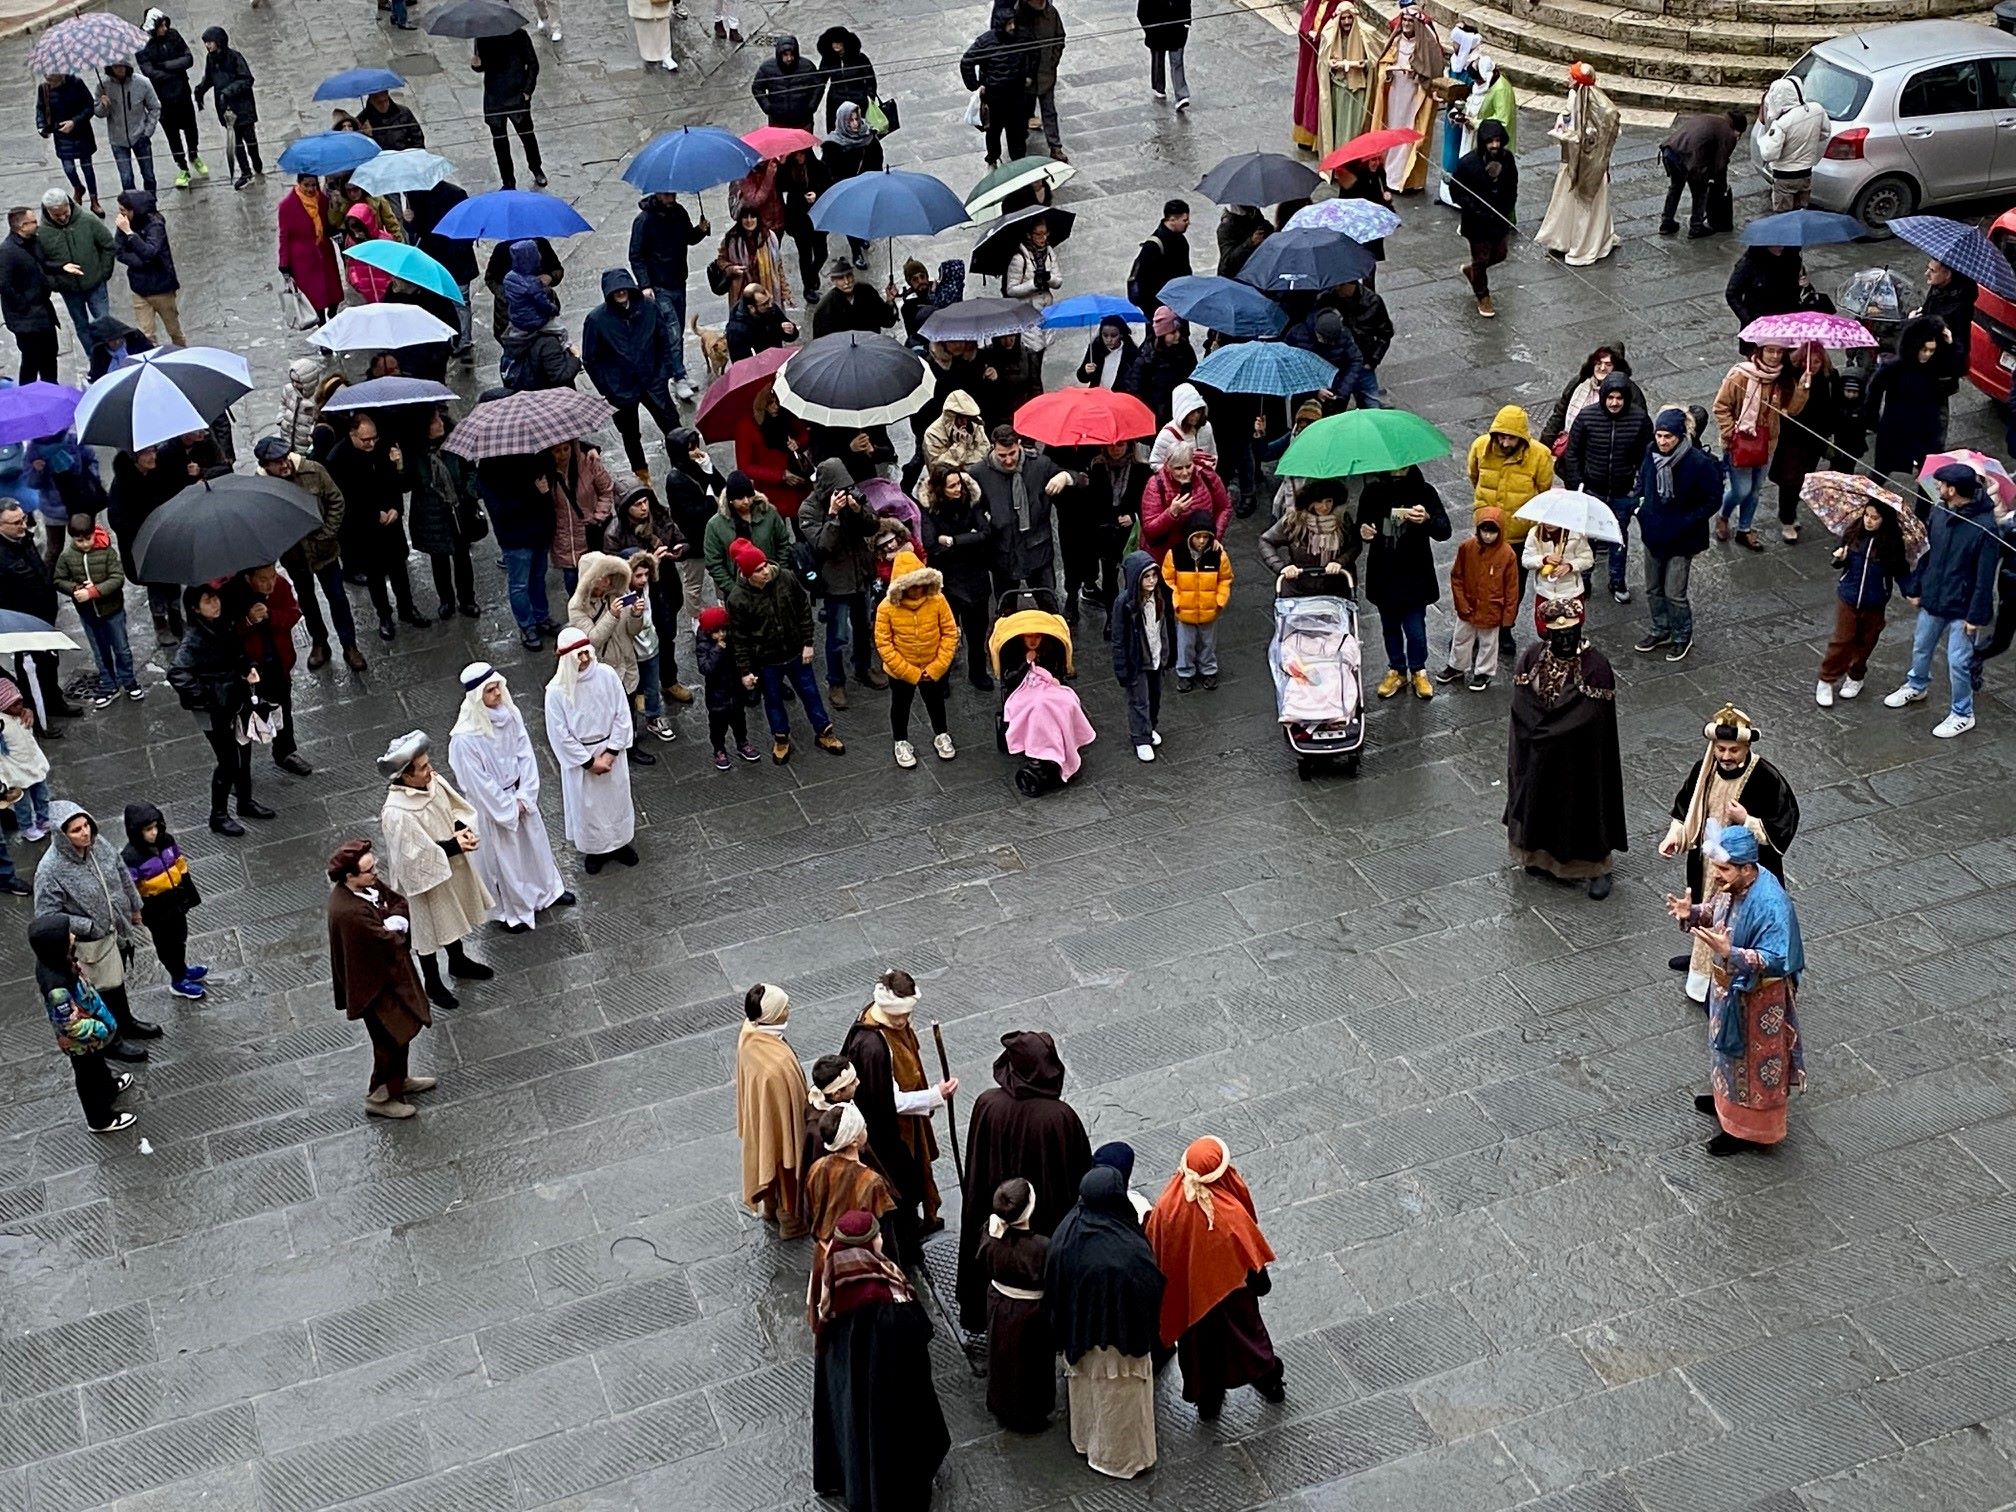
pixel 916 635
pixel 1559 559
pixel 1872 560
pixel 1484 590
pixel 725 695
pixel 160 874
pixel 1144 644
pixel 1198 571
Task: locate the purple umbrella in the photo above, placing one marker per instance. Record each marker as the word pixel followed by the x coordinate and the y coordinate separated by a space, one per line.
pixel 36 409
pixel 1797 327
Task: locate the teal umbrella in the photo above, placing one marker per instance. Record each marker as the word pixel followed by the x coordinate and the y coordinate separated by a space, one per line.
pixel 409 263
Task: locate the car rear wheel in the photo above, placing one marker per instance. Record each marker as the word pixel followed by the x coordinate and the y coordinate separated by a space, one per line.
pixel 1883 200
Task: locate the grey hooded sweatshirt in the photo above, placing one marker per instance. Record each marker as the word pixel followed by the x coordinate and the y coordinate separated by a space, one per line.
pixel 89 887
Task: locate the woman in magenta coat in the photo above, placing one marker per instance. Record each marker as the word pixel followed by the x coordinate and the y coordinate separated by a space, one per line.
pixel 307 254
pixel 360 225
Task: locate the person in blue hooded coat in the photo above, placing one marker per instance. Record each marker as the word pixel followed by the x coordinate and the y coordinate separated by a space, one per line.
pixel 1144 645
pixel 627 352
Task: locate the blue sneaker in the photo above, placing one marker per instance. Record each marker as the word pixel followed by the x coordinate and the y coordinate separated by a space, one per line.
pixel 188 989
pixel 195 973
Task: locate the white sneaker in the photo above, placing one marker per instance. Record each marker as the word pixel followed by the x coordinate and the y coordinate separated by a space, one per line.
pixel 684 389
pixel 942 744
pixel 906 754
pixel 1850 688
pixel 1953 724
pixel 671 64
pixel 1145 752
pixel 1183 104
pixel 119 1121
pixel 1155 737
pixel 540 23
pixel 1823 694
pixel 1158 94
pixel 556 31
pixel 1904 695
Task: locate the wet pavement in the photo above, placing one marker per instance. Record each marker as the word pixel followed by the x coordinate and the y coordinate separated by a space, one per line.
pixel 1509 1275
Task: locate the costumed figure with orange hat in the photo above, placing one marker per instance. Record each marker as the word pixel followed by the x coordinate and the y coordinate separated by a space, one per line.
pixel 1206 1235
pixel 1406 78
pixel 1578 224
pixel 588 725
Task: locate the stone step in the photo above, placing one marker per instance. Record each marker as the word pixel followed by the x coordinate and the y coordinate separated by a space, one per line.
pixel 1633 58
pixel 1614 21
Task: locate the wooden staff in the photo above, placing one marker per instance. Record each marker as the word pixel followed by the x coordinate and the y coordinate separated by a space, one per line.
pixel 951 1120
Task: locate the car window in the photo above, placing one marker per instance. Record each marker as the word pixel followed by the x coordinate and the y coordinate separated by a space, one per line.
pixel 1841 91
pixel 2002 75
pixel 1948 89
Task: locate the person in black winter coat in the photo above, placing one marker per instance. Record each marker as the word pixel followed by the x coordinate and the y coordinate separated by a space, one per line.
pixel 1093 522
pixel 756 325
pixel 25 306
pixel 217 682
pixel 167 63
pixel 1765 281
pixel 371 474
pixel 1953 587
pixel 1004 73
pixel 112 343
pixel 626 352
pixel 1485 186
pixel 391 125
pixel 140 242
pixel 1905 400
pixel 1581 390
pixel 1109 355
pixel 659 238
pixel 64 109
pixel 538 359
pixel 1400 517
pixel 955 534
pixel 846 70
pixel 510 68
pixel 1165 28
pixel 1166 361
pixel 1606 444
pixel 850 305
pixel 521 514
pixel 787 85
pixel 1164 255
pixel 226 71
pixel 1143 633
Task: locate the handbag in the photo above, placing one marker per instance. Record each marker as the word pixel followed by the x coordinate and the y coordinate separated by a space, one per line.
pixel 261 722
pixel 1749 449
pixel 473 523
pixel 884 119
pixel 295 312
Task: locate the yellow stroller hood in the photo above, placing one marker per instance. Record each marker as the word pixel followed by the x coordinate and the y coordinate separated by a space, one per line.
pixel 1028 622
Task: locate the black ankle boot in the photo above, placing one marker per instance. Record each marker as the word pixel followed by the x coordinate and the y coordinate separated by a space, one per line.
pixel 459 965
pixel 437 990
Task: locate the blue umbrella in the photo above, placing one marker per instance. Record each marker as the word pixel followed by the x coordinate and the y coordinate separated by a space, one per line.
pixel 1960 247
pixel 888 203
pixel 410 263
pixel 327 152
pixel 36 409
pixel 1264 367
pixel 1088 310
pixel 1307 259
pixel 1219 304
pixel 508 214
pixel 1802 228
pixel 689 160
pixel 356 83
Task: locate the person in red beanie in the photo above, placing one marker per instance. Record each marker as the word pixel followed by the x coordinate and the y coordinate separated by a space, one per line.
pixel 724 691
pixel 770 625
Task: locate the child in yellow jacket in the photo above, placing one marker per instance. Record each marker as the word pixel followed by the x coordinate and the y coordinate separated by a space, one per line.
pixel 1198 571
pixel 916 635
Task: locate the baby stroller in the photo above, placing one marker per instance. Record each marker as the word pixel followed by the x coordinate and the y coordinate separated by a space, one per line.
pixel 1319 695
pixel 1039 717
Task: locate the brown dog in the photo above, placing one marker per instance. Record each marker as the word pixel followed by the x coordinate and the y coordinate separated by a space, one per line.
pixel 713 346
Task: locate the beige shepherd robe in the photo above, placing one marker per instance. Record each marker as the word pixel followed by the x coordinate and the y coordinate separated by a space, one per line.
pixel 1578 223
pixel 447 899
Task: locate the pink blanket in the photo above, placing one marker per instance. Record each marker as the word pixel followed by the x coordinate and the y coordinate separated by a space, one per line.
pixel 1046 721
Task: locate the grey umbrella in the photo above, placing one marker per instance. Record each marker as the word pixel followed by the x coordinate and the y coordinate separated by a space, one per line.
pixel 223 525
pixel 981 320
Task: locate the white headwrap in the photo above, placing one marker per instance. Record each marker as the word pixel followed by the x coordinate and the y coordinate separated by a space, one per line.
pixel 773 1007
pixel 566 652
pixel 853 1129
pixel 893 1006
pixel 997 1226
pixel 1197 1188
pixel 475 716
pixel 822 1098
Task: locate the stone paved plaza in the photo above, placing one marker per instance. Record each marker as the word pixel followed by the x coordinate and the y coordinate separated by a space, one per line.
pixel 1509 1275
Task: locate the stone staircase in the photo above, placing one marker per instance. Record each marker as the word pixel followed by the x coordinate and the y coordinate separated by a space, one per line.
pixel 1658 59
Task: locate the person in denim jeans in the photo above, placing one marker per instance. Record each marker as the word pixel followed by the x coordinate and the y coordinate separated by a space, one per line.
pixel 1606 444
pixel 22 764
pixel 1954 589
pixel 838 525
pixel 659 237
pixel 1679 489
pixel 1756 396
pixel 89 572
pixel 770 624
pixel 523 519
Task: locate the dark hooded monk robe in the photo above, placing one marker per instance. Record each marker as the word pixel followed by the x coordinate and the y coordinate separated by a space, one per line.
pixel 1021 1127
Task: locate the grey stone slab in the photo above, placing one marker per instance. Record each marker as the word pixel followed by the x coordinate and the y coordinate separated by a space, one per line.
pixel 1941 1321
pixel 491 1420
pixel 1588 1438
pixel 625 1446
pixel 1740 1469
pixel 342 1468
pixel 1356 1437
pixel 595 1322
pixel 195 1382
pixel 1476 1474
pixel 48 1358
pixel 1963 1471
pixel 1420 1339
pixel 1502 1388
pixel 470 1300
pixel 398 1387
pixel 1947 1394
pixel 156 1457
pixel 1762 1381
pixel 40 1427
pixel 1564 1291
pixel 282 1291
pixel 1851 1279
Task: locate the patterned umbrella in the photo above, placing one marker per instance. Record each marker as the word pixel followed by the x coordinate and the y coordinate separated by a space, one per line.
pixel 1264 367
pixel 1799 327
pixel 1361 220
pixel 1960 247
pixel 82 42
pixel 1986 468
pixel 1838 497
pixel 521 424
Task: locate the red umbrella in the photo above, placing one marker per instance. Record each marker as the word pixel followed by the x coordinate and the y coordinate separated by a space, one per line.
pixel 1084 417
pixel 1371 145
pixel 728 413
pixel 779 141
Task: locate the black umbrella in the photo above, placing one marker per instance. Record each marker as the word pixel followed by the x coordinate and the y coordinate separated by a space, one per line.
pixel 981 320
pixel 854 378
pixel 1306 259
pixel 1258 178
pixel 223 525
pixel 992 252
pixel 476 18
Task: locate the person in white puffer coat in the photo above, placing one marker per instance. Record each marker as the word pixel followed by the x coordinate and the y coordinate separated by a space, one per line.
pixel 1792 133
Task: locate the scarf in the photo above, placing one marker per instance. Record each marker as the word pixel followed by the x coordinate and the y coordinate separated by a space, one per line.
pixel 774 1007
pixel 850 127
pixel 1325 535
pixel 891 1009
pixel 477 718
pixel 1197 1185
pixel 1662 468
pixel 1749 420
pixel 311 201
pixel 1018 489
pixel 997 1226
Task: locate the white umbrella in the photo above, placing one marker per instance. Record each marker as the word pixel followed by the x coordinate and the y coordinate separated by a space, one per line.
pixel 1573 510
pixel 402 172
pixel 381 327
pixel 160 394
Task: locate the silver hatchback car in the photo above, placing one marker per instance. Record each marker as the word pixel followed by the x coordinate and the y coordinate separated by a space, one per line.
pixel 1924 113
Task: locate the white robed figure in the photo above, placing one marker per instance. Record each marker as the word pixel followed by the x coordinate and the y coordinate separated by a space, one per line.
pixel 492 758
pixel 589 728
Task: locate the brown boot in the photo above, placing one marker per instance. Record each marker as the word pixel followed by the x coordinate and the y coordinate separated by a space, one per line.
pixel 1485 308
pixel 679 693
pixel 831 743
pixel 1749 539
pixel 354 659
pixel 1722 527
pixel 318 656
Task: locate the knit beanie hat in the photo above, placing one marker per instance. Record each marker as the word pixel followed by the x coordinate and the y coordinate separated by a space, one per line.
pixel 713 618
pixel 1671 420
pixel 1165 320
pixel 740 485
pixel 747 556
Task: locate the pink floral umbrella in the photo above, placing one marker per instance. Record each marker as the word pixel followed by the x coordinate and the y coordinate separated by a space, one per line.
pixel 1838 498
pixel 1986 468
pixel 1798 327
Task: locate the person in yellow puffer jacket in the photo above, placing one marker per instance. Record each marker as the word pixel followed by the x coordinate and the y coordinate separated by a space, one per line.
pixel 916 635
pixel 1508 467
pixel 1198 571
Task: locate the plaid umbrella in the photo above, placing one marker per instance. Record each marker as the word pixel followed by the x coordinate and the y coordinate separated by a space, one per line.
pixel 1960 247
pixel 1838 497
pixel 525 423
pixel 82 42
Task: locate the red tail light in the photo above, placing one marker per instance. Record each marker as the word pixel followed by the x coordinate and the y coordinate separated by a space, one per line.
pixel 1847 145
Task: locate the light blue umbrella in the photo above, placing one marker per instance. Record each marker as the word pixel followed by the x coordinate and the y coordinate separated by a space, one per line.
pixel 356 83
pixel 327 152
pixel 689 160
pixel 1802 228
pixel 410 263
pixel 1219 304
pixel 508 214
pixel 1088 310
pixel 1361 220
pixel 1264 367
pixel 386 393
pixel 404 172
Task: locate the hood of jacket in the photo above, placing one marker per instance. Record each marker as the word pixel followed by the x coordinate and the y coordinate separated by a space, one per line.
pixel 785 42
pixel 1783 95
pixel 138 203
pixel 1512 421
pixel 1493 131
pixel 603 575
pixel 1028 1065
pixel 525 257
pixel 908 572
pixel 1488 514
pixel 1131 567
pixel 850 45
pixel 49 939
pixel 1619 382
pixel 138 817
pixel 107 331
pixel 61 812
pixel 617 279
pixel 1183 399
pixel 218 35
pixel 304 376
pixel 959 402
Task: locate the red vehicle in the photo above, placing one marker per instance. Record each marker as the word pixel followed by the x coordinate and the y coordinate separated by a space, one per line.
pixel 1991 359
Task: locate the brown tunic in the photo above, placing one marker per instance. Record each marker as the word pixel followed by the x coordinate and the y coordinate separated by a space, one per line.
pixel 371 967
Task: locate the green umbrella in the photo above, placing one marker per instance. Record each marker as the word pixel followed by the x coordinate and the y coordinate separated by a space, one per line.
pixel 984 202
pixel 1362 441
